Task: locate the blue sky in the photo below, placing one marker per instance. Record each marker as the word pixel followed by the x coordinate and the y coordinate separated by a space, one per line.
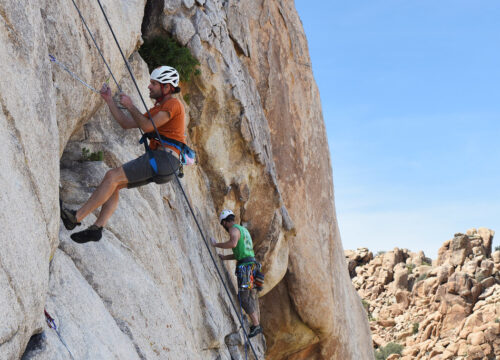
pixel 410 96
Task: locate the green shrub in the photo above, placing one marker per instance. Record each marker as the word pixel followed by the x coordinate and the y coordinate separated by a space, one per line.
pixel 497 320
pixel 163 50
pixel 426 263
pixel 410 268
pixel 366 305
pixel 415 328
pixel 94 156
pixel 390 348
pixel 380 253
pixel 497 248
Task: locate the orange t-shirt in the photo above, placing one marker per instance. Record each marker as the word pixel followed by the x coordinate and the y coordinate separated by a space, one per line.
pixel 175 127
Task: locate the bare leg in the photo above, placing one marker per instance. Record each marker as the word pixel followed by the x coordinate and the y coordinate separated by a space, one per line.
pixel 108 208
pixel 112 181
pixel 255 318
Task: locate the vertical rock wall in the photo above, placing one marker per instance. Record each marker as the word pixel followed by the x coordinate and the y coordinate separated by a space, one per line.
pixel 321 301
pixel 147 290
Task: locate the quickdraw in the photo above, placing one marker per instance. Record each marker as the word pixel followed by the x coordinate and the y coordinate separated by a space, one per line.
pixel 52 324
pixel 73 75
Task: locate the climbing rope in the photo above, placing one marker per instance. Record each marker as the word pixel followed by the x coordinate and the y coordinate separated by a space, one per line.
pixel 169 163
pixel 97 46
pixel 52 325
pixel 241 320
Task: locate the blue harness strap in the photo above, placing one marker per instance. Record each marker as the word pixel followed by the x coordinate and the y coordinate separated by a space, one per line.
pixel 187 155
pixel 152 160
pixel 154 165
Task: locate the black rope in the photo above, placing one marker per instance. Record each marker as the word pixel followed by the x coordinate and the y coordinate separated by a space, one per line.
pixel 241 314
pixel 177 178
pixel 97 46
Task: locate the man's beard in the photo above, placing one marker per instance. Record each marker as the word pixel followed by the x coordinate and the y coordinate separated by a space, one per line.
pixel 154 96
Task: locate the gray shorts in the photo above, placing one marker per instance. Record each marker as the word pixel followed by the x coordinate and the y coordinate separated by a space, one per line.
pixel 248 302
pixel 139 172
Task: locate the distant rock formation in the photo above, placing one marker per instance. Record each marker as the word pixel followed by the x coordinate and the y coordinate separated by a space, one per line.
pixel 441 310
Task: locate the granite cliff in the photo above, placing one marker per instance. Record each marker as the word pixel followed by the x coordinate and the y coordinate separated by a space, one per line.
pixel 148 290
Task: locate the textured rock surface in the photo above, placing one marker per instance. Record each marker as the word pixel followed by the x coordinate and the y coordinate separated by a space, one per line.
pixel 148 290
pixel 447 311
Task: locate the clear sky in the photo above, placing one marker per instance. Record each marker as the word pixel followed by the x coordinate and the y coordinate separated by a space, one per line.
pixel 411 102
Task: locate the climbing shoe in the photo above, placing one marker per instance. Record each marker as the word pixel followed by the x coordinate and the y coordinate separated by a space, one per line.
pixel 68 217
pixel 92 233
pixel 255 330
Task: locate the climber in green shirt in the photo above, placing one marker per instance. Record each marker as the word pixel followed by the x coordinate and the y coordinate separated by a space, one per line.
pixel 240 242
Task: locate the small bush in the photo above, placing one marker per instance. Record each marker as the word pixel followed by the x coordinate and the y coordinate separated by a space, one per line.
pixel 410 268
pixel 380 253
pixel 366 305
pixel 415 328
pixel 163 50
pixel 94 156
pixel 497 320
pixel 390 348
pixel 426 263
pixel 497 248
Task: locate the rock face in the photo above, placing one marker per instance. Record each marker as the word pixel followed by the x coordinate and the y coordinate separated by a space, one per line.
pixel 148 289
pixel 447 310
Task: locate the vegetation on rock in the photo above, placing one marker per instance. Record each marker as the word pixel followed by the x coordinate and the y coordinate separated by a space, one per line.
pixel 92 156
pixel 385 351
pixel 163 50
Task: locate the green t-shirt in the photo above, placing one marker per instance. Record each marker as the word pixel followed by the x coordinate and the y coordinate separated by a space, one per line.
pixel 244 248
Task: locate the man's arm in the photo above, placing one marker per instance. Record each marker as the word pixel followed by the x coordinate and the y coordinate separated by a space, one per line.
pixel 234 236
pixel 121 118
pixel 140 120
pixel 227 257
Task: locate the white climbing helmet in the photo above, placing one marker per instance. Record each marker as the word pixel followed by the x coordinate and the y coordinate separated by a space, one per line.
pixel 224 214
pixel 166 75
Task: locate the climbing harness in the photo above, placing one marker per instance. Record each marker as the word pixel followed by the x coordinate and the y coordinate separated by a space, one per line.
pixel 73 75
pixel 245 274
pixel 175 174
pixel 187 155
pixel 52 324
pixel 249 275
